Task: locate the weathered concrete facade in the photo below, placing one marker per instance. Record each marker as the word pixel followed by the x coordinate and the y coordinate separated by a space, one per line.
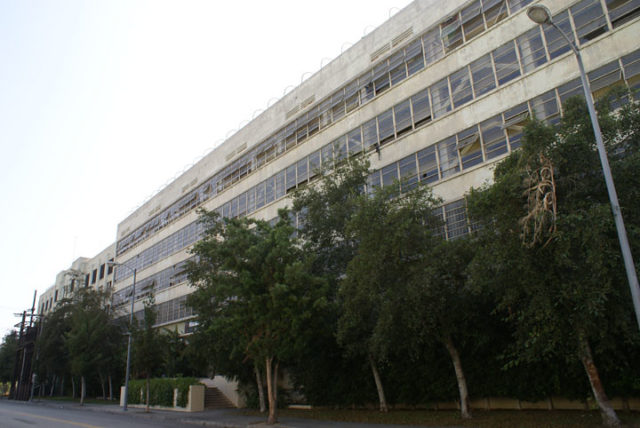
pixel 438 94
pixel 83 272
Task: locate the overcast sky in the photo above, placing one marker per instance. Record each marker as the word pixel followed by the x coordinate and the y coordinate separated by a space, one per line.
pixel 104 102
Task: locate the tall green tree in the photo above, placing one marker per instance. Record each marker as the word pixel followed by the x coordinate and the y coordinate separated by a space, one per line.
pixel 443 308
pixel 255 292
pixel 51 347
pixel 148 346
pixel 8 349
pixel 393 234
pixel 550 253
pixel 91 327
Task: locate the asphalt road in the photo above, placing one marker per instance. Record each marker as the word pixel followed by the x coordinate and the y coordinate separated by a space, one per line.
pixel 24 415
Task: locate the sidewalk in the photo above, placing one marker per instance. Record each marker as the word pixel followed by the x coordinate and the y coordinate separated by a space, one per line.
pixel 223 418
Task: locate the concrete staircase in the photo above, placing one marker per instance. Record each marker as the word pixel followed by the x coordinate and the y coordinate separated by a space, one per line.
pixel 214 399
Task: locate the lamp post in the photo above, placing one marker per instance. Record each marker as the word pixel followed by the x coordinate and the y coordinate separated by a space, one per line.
pixel 133 299
pixel 541 15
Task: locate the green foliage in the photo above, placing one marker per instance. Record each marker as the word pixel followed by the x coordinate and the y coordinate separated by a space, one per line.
pixel 568 288
pixel 148 344
pixel 161 391
pixel 255 296
pixel 8 355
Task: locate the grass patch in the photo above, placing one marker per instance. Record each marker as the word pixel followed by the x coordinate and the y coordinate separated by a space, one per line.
pixel 481 418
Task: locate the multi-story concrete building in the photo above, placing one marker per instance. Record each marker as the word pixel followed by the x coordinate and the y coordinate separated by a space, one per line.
pixel 437 94
pixel 83 272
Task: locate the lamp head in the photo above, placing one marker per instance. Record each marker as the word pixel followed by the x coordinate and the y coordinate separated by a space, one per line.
pixel 539 14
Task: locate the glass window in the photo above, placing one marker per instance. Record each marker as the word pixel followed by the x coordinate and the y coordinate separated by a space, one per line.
pixel 493 137
pixel 428 165
pixel 365 83
pixel 389 174
pixel 631 66
pixel 385 126
pixel 337 106
pixel 324 113
pixel 532 53
pixel 352 96
pixel 432 45
pixel 327 155
pixel 469 147
pixel 402 113
pixel 570 89
pixel 506 62
pixel 340 148
pixel 381 78
pixel 472 23
pixel 604 78
pixel 451 33
pixel 461 92
pixel 270 189
pixel 545 107
pixel 301 133
pixel 281 189
pixel 621 11
pixel 370 133
pixel 242 205
pixel 440 98
pixel 514 120
pixel 290 136
pixel 482 73
pixel 314 126
pixel 421 109
pixel 290 178
pixel 456 219
pixel 516 5
pixel 260 195
pixel 589 20
pixel 314 164
pixel 354 141
pixel 414 57
pixel 303 170
pixel 398 68
pixel 494 11
pixel 408 172
pixel 251 200
pixel 556 43
pixel 448 154
pixel 373 182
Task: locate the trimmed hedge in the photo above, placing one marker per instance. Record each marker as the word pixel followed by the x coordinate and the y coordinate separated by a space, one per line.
pixel 161 391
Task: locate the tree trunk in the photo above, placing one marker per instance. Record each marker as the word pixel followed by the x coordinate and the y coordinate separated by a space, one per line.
pixel 272 391
pixel 462 381
pixel 376 376
pixel 83 390
pixel 146 409
pixel 73 388
pixel 609 416
pixel 53 386
pixel 62 386
pixel 104 391
pixel 263 407
pixel 110 389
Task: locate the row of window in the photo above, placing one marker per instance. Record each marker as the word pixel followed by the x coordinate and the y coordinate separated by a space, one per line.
pixel 475 145
pixel 430 47
pixel 582 22
pixel 164 279
pixel 163 249
pixel 172 310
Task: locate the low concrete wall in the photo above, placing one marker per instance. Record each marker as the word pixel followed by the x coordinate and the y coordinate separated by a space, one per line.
pixel 195 400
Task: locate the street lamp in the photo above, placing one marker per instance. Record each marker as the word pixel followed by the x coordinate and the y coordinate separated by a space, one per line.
pixel 541 15
pixel 133 299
